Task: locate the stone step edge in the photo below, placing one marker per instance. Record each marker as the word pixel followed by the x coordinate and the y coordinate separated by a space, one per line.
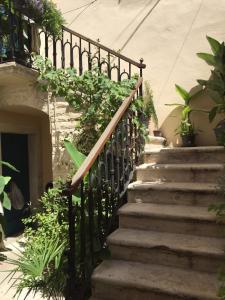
pixel 186 167
pixel 207 218
pixel 155 140
pixel 174 186
pixel 114 240
pixel 154 286
pixel 194 150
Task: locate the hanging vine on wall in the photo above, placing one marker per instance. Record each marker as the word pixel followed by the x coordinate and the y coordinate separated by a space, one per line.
pixel 93 94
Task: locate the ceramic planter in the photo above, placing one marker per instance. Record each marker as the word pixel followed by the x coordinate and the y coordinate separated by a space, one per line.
pixel 188 140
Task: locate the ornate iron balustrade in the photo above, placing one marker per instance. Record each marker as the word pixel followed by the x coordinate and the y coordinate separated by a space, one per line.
pixel 17 42
pixel 15 35
pixel 98 189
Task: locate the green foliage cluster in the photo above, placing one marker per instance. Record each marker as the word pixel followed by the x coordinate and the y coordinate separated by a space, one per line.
pixel 149 107
pixel 215 85
pixel 4 199
pixel 93 94
pixel 42 262
pixel 185 127
pixel 52 19
pixel 44 12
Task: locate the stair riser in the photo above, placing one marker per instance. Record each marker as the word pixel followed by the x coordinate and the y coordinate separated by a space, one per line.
pixel 173 197
pixel 167 257
pixel 179 157
pixel 105 291
pixel 179 175
pixel 200 228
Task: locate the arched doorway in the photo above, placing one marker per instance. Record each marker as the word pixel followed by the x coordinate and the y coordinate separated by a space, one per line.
pixel 25 142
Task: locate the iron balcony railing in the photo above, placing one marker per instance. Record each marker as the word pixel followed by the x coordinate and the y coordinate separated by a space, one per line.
pixel 101 184
pixel 18 39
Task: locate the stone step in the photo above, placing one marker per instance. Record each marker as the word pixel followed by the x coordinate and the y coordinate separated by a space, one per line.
pixel 179 172
pixel 154 143
pixel 121 280
pixel 184 193
pixel 206 154
pixel 179 250
pixel 193 220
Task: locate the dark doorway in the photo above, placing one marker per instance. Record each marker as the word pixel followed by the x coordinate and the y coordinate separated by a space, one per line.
pixel 15 151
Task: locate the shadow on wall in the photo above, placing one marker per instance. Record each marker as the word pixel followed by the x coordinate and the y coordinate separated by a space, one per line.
pixel 205 135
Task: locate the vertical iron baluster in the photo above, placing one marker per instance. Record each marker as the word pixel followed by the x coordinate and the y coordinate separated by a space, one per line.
pixel 127 168
pixel 118 147
pixel 72 250
pixel 89 57
pixel 54 53
pixel 71 51
pixel 109 66
pixel 63 50
pixel 91 217
pixel 122 178
pixel 99 199
pixel 112 175
pixel 129 76
pixel 11 32
pixel 46 44
pixel 80 58
pixel 141 74
pixel 106 191
pixel 119 71
pixel 99 58
pixel 82 232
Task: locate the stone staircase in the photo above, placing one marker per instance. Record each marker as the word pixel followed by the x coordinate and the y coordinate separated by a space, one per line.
pixel 168 246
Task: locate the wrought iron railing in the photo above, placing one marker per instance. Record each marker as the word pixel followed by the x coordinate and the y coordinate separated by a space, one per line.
pixel 17 42
pixel 100 187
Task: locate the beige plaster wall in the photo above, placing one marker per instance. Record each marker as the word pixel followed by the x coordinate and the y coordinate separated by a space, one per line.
pixel 167 37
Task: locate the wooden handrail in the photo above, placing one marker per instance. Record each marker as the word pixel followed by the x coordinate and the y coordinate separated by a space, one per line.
pixel 97 149
pixel 125 58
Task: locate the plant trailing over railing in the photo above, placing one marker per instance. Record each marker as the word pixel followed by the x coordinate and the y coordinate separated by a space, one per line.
pixel 43 12
pixel 93 94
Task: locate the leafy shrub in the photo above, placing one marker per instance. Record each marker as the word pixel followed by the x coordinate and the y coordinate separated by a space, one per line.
pixel 93 94
pixel 43 261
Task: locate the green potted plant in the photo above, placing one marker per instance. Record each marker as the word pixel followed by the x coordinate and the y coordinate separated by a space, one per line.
pixel 215 85
pixel 149 109
pixel 185 129
pixel 44 13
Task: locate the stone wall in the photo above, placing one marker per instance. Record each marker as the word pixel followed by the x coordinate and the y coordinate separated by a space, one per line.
pixel 63 121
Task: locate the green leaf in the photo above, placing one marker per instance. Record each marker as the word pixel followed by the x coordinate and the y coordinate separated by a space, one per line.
pixel 214 44
pixel 6 201
pixel 4 163
pixel 208 58
pixel 212 113
pixel 76 200
pixel 77 157
pixel 183 93
pixel 185 113
pixel 7 179
pixel 2 184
